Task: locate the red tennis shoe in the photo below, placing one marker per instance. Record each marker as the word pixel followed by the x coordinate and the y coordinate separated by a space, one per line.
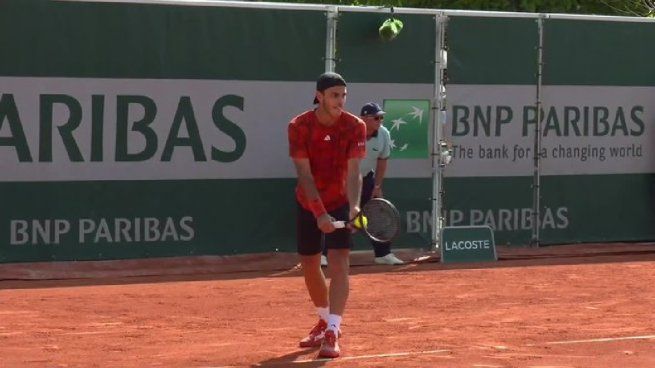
pixel 330 347
pixel 316 335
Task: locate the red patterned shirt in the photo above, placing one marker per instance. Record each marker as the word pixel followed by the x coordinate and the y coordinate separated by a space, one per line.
pixel 328 150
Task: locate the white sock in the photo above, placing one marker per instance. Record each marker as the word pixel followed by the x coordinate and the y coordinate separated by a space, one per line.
pixel 334 322
pixel 323 313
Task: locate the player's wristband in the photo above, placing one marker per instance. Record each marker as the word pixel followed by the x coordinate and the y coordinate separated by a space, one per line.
pixel 317 208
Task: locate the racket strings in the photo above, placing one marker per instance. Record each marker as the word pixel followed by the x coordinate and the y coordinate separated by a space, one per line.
pixel 383 220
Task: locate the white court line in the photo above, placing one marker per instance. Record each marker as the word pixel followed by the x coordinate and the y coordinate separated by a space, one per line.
pixel 11 333
pixel 603 339
pixel 434 352
pixel 89 333
pixel 374 356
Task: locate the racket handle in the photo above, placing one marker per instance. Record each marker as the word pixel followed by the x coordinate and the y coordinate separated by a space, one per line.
pixel 339 224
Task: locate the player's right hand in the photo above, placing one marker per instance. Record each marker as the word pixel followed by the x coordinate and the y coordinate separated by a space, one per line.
pixel 324 222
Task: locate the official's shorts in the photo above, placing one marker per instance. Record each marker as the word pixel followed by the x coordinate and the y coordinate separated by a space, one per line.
pixel 311 239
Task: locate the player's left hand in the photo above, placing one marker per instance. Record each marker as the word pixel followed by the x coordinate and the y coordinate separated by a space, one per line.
pixel 377 192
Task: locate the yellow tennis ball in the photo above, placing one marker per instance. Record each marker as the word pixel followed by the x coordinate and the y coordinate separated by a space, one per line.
pixel 359 221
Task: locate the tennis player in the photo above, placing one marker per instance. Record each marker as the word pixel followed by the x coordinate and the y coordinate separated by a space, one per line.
pixel 326 145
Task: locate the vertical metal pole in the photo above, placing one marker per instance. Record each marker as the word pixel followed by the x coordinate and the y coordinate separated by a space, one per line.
pixel 536 178
pixel 438 106
pixel 330 44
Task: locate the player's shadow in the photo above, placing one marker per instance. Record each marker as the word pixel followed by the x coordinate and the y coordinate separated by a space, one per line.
pixel 288 360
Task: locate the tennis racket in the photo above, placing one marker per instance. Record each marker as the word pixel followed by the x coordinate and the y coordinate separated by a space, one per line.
pixel 379 220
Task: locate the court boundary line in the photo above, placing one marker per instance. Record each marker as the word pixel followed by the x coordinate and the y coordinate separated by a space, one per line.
pixel 600 339
pixel 439 351
pixel 346 358
pixel 374 356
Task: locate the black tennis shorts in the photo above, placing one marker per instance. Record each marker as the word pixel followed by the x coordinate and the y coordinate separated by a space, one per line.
pixel 311 239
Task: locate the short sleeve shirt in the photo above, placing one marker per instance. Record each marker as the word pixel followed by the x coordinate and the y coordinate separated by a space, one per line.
pixel 378 147
pixel 328 149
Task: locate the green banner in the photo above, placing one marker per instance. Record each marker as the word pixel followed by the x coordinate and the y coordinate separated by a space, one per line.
pixel 599 53
pixel 408 122
pixel 137 40
pixel 96 220
pixel 489 50
pixel 363 57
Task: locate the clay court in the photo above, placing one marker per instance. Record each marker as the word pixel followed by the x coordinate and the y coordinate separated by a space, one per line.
pixel 558 306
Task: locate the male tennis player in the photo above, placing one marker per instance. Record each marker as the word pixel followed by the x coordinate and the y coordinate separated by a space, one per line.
pixel 326 145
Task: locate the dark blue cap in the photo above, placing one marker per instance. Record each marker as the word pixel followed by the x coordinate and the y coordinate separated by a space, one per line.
pixel 372 109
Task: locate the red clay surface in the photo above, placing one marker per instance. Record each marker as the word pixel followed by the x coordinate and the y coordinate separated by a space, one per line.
pixel 563 307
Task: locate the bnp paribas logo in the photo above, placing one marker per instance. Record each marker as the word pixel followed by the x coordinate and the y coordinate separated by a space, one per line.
pixel 408 121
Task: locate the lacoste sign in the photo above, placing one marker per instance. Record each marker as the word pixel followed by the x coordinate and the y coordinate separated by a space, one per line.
pixel 467 244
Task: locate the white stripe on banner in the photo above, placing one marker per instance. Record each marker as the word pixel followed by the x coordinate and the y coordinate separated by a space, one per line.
pixel 54 129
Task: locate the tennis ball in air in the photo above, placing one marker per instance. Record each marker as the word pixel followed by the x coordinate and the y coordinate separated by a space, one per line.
pixel 390 29
pixel 359 220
